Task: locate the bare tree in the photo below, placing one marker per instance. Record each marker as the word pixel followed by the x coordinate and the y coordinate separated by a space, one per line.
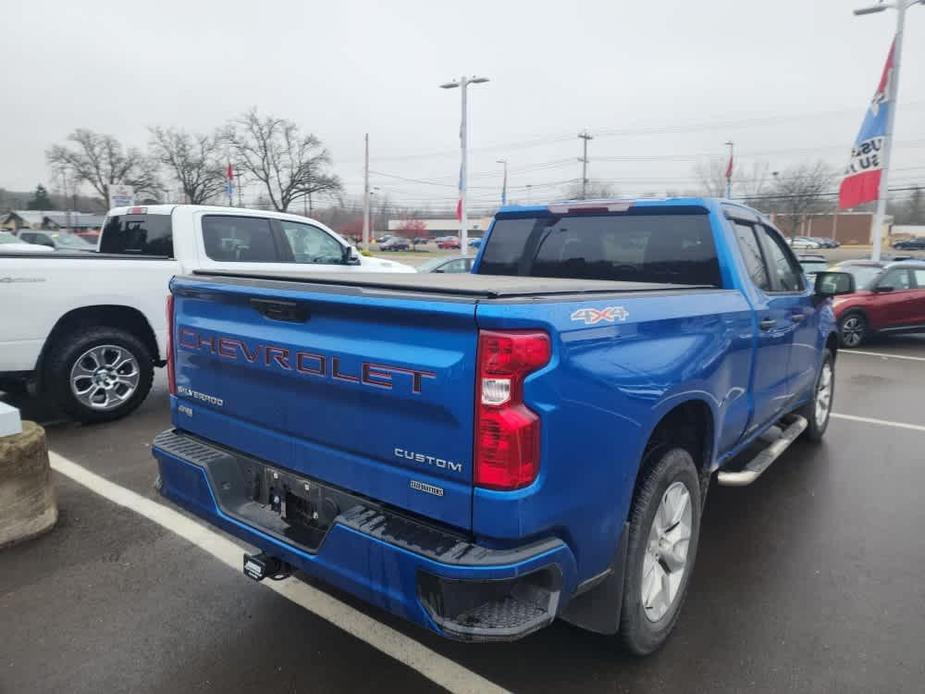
pixel 102 161
pixel 193 160
pixel 711 177
pixel 800 191
pixel 595 189
pixel 289 164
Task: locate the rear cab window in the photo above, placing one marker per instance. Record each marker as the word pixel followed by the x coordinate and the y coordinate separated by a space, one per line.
pixel 238 239
pixel 636 247
pixel 138 234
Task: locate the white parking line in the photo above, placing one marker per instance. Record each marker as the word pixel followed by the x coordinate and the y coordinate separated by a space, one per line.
pixel 880 422
pixel 882 355
pixel 430 664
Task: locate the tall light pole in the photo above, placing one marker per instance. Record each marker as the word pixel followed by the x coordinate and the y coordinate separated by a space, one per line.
pixel 366 194
pixel 900 6
pixel 503 162
pixel 463 83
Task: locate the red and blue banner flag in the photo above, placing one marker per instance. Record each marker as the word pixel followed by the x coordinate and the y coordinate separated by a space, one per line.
pixel 862 178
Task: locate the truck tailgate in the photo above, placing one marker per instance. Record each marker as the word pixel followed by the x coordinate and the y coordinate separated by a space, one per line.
pixel 373 394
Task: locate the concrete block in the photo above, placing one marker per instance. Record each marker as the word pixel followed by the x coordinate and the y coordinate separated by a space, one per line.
pixel 27 498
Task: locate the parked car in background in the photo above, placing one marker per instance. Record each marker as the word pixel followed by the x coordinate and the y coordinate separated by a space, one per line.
pixel 475 243
pixel 812 263
pixel 451 264
pixel 383 238
pixel 420 241
pixel 889 297
pixel 449 242
pixel 825 242
pixel 803 242
pixel 58 240
pixel 546 428
pixel 916 244
pixel 395 244
pixel 11 244
pixel 87 329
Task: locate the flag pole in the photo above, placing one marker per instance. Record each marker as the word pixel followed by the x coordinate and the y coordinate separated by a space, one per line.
pixel 729 166
pixel 880 214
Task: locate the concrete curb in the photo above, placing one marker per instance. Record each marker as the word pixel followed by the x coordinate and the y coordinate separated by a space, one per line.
pixel 27 499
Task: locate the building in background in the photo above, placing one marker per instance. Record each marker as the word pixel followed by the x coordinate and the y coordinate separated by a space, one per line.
pixel 51 220
pixel 848 228
pixel 444 227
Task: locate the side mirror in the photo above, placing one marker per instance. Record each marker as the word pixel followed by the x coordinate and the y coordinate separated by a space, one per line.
pixel 884 288
pixel 351 256
pixel 834 283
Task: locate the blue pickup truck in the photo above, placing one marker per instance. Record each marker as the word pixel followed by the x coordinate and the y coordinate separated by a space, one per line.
pixel 484 453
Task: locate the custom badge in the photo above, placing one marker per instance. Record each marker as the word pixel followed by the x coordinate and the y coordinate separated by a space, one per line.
pixel 591 316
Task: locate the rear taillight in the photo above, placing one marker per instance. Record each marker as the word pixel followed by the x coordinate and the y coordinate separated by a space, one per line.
pixel 507 433
pixel 171 372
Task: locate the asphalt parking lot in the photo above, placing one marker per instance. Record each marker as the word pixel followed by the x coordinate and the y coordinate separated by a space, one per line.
pixel 809 580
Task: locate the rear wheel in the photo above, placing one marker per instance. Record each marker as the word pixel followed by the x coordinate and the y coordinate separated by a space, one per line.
pixel 98 374
pixel 852 329
pixel 663 534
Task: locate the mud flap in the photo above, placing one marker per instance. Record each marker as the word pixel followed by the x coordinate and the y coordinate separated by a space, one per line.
pixel 598 608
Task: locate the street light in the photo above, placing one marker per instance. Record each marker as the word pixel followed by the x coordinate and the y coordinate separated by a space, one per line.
pixel 893 85
pixel 463 83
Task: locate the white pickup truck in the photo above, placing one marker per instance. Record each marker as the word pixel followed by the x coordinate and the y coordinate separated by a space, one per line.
pixel 86 330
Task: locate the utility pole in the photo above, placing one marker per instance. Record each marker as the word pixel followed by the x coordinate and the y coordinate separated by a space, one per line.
pixel 503 162
pixel 729 165
pixel 366 194
pixel 463 84
pixel 893 85
pixel 585 136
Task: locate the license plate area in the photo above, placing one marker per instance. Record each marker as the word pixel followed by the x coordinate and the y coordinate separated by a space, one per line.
pixel 293 508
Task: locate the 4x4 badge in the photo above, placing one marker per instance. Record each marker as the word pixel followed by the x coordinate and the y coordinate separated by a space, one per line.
pixel 590 316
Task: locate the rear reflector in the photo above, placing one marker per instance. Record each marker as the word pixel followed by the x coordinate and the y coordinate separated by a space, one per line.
pixel 507 436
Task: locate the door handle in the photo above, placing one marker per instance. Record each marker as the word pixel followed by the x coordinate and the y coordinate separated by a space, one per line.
pixel 766 323
pixel 798 317
pixel 289 311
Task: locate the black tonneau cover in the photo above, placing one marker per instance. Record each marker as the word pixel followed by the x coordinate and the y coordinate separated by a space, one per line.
pixel 452 284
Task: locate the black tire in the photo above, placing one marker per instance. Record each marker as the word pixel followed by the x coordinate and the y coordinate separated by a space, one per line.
pixel 67 349
pixel 852 329
pixel 639 633
pixel 816 430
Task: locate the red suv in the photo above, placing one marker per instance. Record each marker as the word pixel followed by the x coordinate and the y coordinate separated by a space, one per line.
pixel 450 242
pixel 889 298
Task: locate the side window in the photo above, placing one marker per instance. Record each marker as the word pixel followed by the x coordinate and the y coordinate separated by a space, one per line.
pixel 140 234
pixel 459 265
pixel 310 244
pixel 781 263
pixel 238 239
pixel 919 278
pixel 898 278
pixel 751 252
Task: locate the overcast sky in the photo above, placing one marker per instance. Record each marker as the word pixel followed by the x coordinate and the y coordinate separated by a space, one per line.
pixel 658 84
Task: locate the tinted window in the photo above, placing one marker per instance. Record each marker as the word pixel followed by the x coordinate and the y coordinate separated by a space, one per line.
pixel 751 254
pixel 141 234
pixel 898 278
pixel 863 274
pixel 309 244
pixel 635 247
pixel 781 264
pixel 238 239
